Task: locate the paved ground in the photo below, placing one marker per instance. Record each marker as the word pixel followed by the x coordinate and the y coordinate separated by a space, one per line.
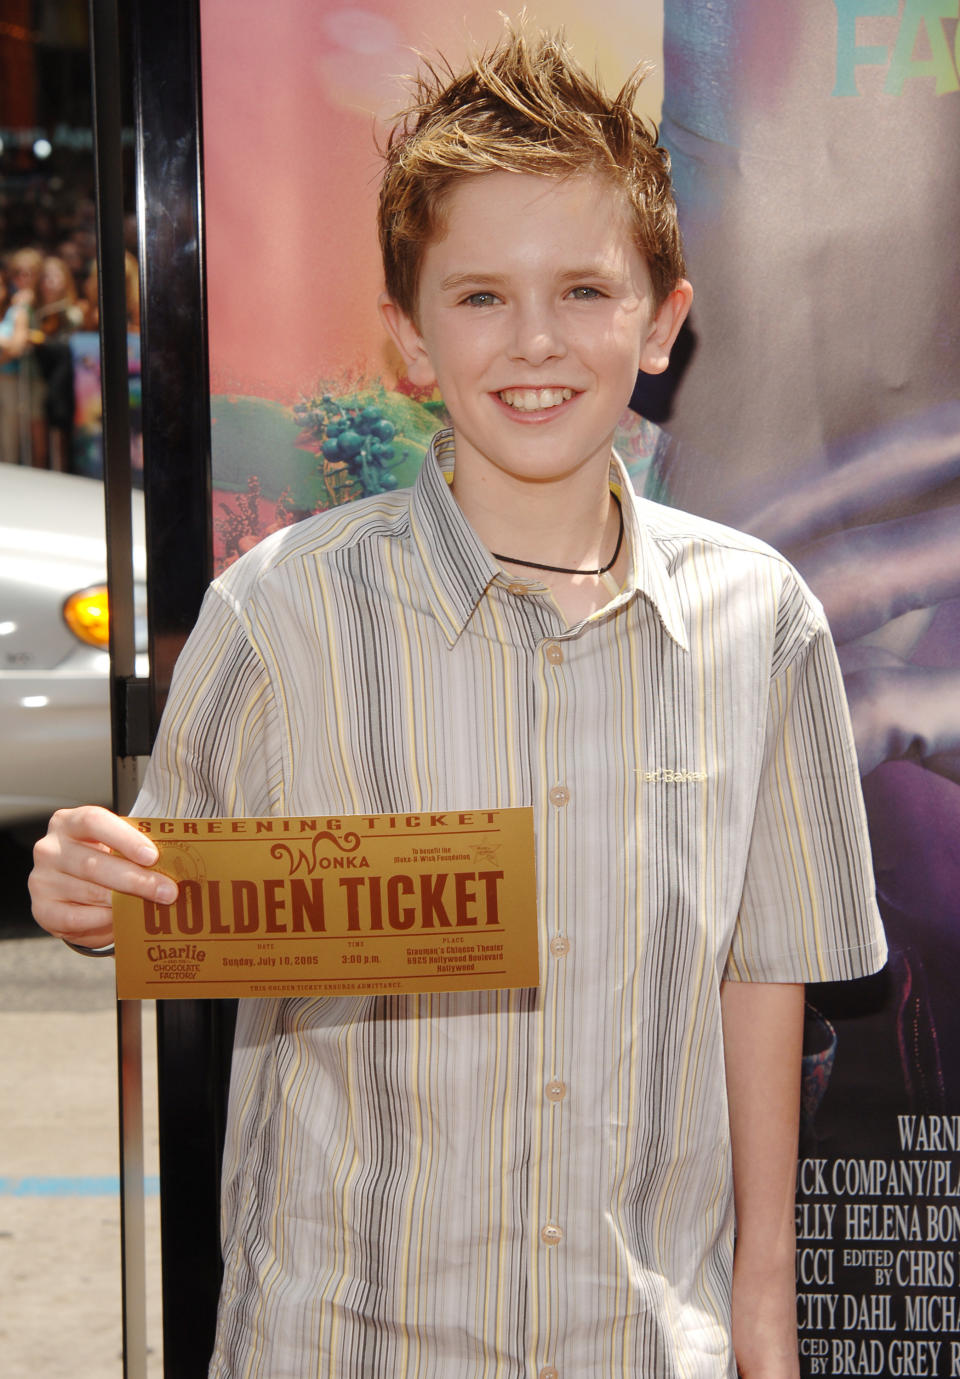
pixel 59 1210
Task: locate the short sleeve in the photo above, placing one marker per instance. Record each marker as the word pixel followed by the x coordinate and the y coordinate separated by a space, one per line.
pixel 214 755
pixel 808 911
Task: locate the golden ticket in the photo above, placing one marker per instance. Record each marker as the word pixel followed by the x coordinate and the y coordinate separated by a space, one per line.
pixel 334 906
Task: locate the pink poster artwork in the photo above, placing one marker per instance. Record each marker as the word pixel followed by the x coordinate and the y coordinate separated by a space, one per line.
pixel 309 407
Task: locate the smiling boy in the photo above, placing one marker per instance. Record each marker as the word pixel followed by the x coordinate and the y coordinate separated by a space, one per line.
pixel 534 312
pixel 539 1182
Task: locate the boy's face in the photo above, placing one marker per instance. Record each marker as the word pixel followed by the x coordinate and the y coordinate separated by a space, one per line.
pixel 535 312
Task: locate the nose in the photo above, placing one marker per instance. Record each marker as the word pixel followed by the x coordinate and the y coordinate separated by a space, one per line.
pixel 537 336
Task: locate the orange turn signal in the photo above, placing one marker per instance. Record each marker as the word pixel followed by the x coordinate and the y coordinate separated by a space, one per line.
pixel 87 615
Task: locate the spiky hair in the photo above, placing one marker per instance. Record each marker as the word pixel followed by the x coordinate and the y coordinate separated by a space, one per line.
pixel 523 106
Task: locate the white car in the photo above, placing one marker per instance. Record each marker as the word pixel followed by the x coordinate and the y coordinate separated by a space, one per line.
pixel 54 666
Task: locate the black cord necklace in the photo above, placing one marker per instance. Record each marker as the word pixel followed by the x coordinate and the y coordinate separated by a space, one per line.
pixel 563 569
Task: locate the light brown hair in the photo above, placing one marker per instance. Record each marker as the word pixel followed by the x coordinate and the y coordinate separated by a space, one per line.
pixel 524 106
pixel 56 312
pixel 26 261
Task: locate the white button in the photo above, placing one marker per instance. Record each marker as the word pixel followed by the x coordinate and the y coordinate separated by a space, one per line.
pixel 556 1090
pixel 551 1234
pixel 554 653
pixel 559 796
pixel 559 946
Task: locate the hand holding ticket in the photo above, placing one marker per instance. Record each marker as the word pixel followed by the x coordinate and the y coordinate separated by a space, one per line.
pixel 334 906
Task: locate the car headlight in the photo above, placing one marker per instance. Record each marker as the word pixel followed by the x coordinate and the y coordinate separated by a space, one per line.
pixel 87 614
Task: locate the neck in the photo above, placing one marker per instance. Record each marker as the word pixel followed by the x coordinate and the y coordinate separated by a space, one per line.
pixel 571 523
pixel 552 569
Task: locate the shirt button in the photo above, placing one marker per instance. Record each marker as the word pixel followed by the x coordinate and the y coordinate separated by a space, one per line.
pixel 548 1372
pixel 516 589
pixel 559 795
pixel 556 1090
pixel 559 946
pixel 554 653
pixel 551 1234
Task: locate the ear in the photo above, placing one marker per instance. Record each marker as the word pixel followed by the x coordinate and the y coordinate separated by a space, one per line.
pixel 408 340
pixel 665 327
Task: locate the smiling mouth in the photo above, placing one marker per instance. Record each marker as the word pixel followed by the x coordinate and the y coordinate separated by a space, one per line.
pixel 534 399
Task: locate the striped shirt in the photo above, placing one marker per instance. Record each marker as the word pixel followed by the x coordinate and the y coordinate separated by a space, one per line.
pixel 491 1185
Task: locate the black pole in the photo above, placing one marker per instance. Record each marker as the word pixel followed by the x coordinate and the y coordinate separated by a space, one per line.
pixel 107 77
pixel 194 1037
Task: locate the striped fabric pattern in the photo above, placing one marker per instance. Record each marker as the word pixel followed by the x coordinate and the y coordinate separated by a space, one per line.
pixel 501 1184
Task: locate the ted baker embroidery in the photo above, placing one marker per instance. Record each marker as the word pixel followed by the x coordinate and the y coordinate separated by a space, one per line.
pixel 667 777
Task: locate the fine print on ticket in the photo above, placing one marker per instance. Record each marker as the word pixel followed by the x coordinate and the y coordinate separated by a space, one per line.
pixel 375 903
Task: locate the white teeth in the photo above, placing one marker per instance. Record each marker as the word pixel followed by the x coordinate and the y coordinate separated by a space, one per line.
pixel 535 399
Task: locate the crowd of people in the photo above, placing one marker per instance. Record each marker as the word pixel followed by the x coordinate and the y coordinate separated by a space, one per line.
pixel 48 292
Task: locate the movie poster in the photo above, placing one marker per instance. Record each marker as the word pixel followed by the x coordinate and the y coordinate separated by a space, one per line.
pixel 814 152
pixel 813 400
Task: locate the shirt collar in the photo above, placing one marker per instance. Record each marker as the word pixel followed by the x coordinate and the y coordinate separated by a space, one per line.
pixel 649 575
pixel 460 569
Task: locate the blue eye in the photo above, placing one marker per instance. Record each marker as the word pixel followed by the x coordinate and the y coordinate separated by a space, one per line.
pixel 480 299
pixel 584 294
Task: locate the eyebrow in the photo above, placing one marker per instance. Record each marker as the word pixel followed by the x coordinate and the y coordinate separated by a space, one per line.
pixel 593 270
pixel 477 279
pixel 456 280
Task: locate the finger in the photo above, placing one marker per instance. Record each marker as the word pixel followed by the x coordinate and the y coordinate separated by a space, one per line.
pixel 904 712
pixel 867 576
pixel 60 888
pixel 89 925
pixel 83 873
pixel 76 921
pixel 901 464
pixel 99 827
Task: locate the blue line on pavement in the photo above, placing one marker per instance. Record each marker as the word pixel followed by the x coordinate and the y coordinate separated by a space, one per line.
pixel 108 1186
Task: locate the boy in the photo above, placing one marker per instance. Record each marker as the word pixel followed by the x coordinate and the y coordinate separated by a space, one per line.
pixel 536 1182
